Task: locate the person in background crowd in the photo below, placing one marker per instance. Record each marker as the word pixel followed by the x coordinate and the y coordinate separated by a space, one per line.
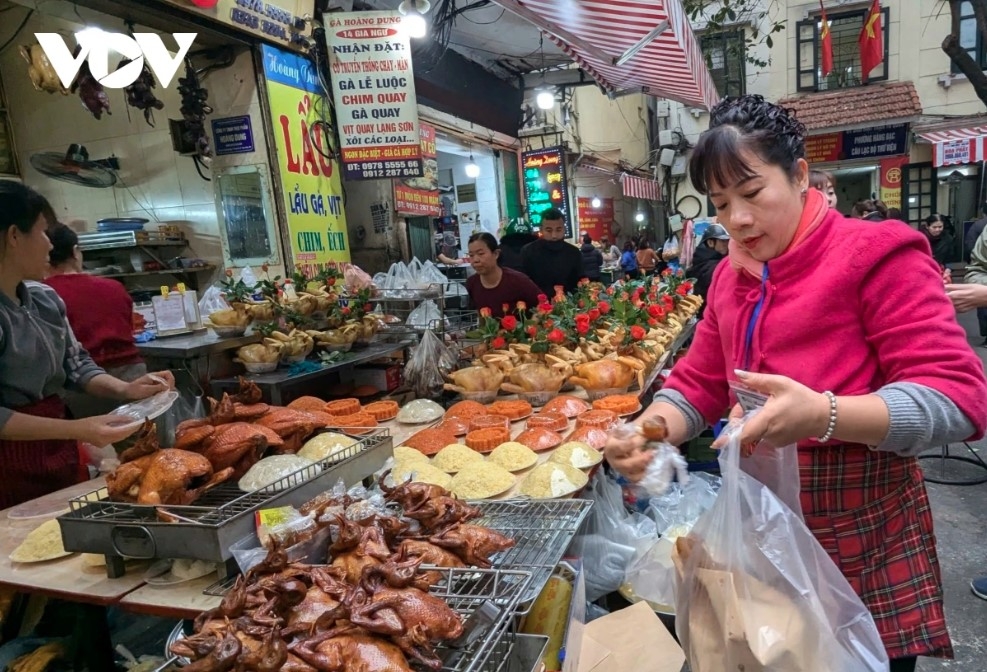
pixel 647 260
pixel 869 210
pixel 826 183
pixel 449 250
pixel 940 241
pixel 628 262
pixel 100 312
pixel 611 253
pixel 895 214
pixel 552 260
pixel 969 243
pixel 592 259
pixel 713 249
pixel 491 286
pixel 39 358
pixel 878 379
pixel 515 235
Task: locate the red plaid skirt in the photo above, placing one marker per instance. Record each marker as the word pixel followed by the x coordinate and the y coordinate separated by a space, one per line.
pixel 870 512
pixel 31 469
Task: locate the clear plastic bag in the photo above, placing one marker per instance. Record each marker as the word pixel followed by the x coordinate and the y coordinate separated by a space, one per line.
pixel 666 465
pixel 183 409
pixel 610 538
pixel 425 315
pixel 428 365
pixel 212 301
pixel 757 592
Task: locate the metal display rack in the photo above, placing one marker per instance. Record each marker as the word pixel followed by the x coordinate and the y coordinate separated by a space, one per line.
pixel 542 531
pixel 206 529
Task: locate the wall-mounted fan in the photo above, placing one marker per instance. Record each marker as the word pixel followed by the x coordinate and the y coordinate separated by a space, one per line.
pixel 75 166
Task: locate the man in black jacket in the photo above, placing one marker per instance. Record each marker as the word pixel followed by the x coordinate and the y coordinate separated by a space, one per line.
pixel 711 251
pixel 552 260
pixel 592 259
pixel 516 234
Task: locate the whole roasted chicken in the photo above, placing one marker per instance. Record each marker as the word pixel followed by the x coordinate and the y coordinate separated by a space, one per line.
pixel 537 376
pixel 43 76
pixel 168 476
pixel 607 374
pixel 475 379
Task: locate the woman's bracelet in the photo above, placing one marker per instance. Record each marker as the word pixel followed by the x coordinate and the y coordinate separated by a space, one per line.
pixel 831 427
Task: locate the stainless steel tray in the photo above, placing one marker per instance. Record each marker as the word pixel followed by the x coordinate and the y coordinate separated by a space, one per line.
pixel 206 529
pixel 542 530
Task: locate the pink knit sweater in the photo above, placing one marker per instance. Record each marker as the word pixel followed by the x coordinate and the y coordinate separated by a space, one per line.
pixel 852 308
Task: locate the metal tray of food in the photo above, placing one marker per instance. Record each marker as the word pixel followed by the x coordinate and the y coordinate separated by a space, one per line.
pixel 206 529
pixel 542 530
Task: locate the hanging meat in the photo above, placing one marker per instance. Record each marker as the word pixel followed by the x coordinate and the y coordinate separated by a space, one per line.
pixel 39 69
pixel 194 110
pixel 91 92
pixel 140 94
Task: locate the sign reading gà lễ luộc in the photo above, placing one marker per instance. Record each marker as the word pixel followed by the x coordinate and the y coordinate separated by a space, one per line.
pixel 309 175
pixel 545 185
pixel 279 21
pixel 373 87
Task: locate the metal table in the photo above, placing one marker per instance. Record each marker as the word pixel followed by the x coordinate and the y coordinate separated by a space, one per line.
pixel 191 346
pixel 273 384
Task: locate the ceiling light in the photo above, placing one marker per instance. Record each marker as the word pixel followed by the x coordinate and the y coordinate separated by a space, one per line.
pixel 596 202
pixel 472 170
pixel 90 33
pixel 639 217
pixel 545 99
pixel 414 23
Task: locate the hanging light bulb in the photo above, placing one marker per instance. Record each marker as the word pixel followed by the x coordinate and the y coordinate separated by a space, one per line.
pixel 413 22
pixel 596 202
pixel 545 99
pixel 639 217
pixel 472 170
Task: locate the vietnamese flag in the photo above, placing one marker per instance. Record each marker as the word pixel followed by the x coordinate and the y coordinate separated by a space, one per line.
pixel 871 41
pixel 826 39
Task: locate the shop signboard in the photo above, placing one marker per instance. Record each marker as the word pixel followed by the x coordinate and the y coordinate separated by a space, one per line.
pixel 823 148
pixel 419 196
pixel 892 170
pixel 595 221
pixel 545 185
pixel 278 21
pixel 374 89
pixel 956 152
pixel 875 142
pixel 313 188
pixel 232 135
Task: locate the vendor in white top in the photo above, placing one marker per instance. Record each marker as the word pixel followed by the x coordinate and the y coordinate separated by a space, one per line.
pixel 39 358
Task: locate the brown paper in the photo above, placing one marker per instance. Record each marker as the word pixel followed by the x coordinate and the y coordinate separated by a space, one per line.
pixel 629 640
pixel 717 611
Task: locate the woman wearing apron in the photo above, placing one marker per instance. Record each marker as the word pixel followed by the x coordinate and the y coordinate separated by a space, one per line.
pixel 848 333
pixel 39 359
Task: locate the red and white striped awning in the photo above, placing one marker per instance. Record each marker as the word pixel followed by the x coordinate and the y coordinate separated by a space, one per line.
pixel 627 45
pixel 958 146
pixel 638 187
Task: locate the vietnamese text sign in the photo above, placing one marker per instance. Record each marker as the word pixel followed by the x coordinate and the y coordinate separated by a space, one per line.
pixel 374 89
pixel 419 196
pixel 595 221
pixel 312 184
pixel 233 135
pixel 955 152
pixel 875 142
pixel 545 185
pixel 891 174
pixel 823 148
pixel 279 21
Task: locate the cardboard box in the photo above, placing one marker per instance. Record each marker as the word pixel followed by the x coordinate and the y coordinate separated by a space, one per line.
pixel 385 377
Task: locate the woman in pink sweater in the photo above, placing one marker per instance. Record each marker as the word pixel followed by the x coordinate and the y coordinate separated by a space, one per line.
pixel 846 329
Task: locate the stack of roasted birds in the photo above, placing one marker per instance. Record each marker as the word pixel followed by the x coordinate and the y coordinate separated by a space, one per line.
pixel 238 432
pixel 368 610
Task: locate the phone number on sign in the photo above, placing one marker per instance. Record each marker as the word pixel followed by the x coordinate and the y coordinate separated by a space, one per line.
pixel 389 169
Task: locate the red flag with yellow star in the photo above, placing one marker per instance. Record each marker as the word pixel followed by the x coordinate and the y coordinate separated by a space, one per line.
pixel 871 40
pixel 826 40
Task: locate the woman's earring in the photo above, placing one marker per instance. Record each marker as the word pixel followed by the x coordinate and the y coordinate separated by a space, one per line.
pixel 805 190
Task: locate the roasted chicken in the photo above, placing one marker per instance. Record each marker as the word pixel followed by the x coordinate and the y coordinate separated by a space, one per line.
pixel 607 374
pixel 475 379
pixel 168 476
pixel 474 544
pixel 537 377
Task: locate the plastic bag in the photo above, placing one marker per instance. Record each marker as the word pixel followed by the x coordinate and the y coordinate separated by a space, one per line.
pixel 652 574
pixel 757 592
pixel 428 365
pixel 184 408
pixel 610 538
pixel 212 301
pixel 666 465
pixel 425 315
pixel 248 277
pixel 670 250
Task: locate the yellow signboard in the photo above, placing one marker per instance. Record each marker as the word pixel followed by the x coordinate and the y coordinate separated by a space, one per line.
pixel 278 21
pixel 309 178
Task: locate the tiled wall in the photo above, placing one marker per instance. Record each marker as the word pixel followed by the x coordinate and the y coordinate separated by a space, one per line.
pixel 154 181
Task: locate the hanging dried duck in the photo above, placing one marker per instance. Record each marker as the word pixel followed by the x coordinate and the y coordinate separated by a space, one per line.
pixel 91 92
pixel 140 94
pixel 194 110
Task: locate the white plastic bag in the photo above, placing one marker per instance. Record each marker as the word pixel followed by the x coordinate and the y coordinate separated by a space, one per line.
pixel 610 538
pixel 212 301
pixel 757 592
